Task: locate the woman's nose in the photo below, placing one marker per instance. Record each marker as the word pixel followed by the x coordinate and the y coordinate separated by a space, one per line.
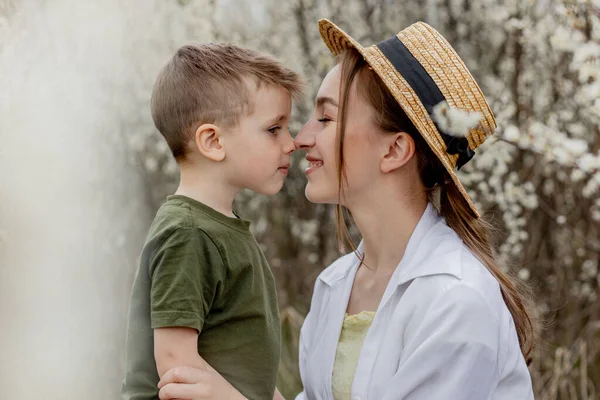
pixel 306 137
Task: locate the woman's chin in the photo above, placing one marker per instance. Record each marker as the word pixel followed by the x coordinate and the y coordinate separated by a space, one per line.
pixel 316 195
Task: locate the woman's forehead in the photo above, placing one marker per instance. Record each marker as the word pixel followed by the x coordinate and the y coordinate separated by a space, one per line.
pixel 330 86
pixel 329 92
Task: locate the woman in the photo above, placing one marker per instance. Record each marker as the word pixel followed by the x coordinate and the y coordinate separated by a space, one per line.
pixel 420 309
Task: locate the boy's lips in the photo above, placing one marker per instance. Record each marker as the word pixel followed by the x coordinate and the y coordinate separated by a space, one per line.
pixel 285 169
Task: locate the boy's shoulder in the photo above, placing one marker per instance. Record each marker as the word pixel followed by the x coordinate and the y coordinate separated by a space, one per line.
pixel 178 229
pixel 185 216
pixel 172 215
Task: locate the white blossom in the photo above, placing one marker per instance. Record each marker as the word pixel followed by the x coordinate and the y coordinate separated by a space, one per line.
pixel 454 121
pixel 589 162
pixel 511 133
pixel 151 164
pixel 524 274
pixel 577 175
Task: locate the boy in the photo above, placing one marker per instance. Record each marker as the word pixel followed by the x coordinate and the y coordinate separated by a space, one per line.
pixel 203 289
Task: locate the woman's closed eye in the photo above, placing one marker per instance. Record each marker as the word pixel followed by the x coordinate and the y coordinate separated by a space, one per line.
pixel 324 120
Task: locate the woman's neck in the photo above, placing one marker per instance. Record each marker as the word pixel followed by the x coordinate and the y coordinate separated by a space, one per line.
pixel 386 221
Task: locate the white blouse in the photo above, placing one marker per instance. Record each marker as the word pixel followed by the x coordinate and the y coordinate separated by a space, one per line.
pixel 442 329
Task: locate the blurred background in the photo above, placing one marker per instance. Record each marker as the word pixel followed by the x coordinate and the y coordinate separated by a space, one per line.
pixel 83 170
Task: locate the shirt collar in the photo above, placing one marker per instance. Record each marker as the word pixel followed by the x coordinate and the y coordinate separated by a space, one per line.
pixel 432 249
pixel 343 266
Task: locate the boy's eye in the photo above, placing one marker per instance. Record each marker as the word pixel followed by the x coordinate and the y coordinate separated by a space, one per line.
pixel 324 120
pixel 274 130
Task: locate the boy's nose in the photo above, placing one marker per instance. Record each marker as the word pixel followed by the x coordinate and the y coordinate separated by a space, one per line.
pixel 290 145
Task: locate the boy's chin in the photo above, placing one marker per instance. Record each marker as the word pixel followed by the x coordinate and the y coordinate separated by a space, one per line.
pixel 269 190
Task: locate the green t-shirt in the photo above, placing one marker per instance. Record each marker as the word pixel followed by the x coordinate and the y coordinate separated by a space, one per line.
pixel 203 270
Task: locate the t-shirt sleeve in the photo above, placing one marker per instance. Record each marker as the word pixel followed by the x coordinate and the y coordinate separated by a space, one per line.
pixel 186 272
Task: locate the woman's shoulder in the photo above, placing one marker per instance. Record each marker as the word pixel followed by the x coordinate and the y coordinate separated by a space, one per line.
pixel 450 267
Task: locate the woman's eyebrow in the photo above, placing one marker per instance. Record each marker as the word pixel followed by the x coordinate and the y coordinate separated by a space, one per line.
pixel 321 100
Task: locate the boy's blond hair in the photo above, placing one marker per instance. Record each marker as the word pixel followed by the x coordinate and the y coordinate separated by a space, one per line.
pixel 208 83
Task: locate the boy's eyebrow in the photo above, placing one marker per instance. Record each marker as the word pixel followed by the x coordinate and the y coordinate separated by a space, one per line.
pixel 279 118
pixel 320 101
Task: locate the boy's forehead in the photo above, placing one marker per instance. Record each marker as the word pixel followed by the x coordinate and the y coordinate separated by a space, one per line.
pixel 264 91
pixel 251 84
pixel 270 101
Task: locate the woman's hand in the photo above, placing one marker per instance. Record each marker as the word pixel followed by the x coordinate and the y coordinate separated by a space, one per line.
pixel 191 383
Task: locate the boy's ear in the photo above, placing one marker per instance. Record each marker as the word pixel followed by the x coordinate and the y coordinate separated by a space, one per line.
pixel 209 142
pixel 400 147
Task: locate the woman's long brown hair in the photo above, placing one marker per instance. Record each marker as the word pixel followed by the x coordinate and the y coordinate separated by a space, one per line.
pixel 474 232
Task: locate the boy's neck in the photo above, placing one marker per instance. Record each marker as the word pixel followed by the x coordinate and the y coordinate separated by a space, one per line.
pixel 207 188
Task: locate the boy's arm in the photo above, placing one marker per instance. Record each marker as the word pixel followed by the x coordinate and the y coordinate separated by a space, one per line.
pixel 196 384
pixel 185 272
pixel 176 347
pixel 277 395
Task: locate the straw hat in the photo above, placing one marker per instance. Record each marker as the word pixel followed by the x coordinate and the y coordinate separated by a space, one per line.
pixel 434 88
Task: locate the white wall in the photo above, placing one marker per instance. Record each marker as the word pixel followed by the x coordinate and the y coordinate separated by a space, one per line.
pixel 73 211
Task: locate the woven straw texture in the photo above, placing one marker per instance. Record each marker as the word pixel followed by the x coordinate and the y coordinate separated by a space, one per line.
pixel 448 72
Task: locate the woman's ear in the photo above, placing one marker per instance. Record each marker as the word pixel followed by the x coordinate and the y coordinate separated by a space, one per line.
pixel 209 142
pixel 400 147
